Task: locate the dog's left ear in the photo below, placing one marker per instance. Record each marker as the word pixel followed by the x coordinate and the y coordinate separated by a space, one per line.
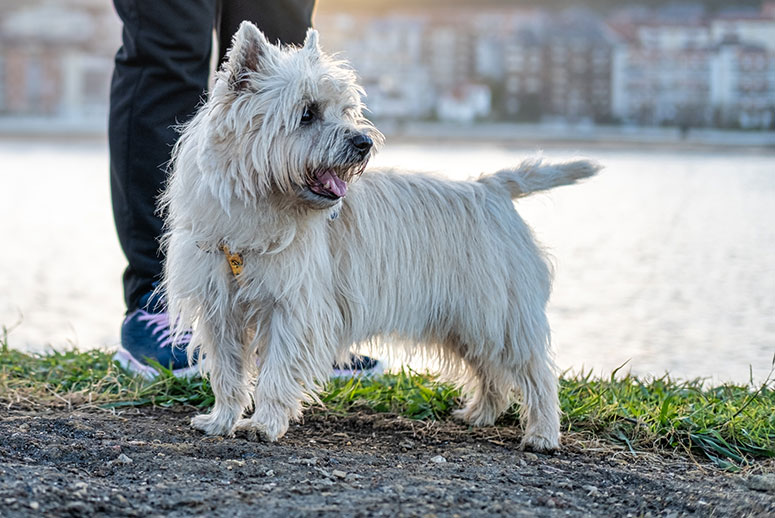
pixel 249 48
pixel 311 42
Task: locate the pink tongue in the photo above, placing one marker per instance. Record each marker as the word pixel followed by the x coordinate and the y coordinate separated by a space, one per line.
pixel 332 183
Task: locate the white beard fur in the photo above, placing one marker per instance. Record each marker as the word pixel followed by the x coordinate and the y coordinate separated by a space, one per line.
pixel 405 259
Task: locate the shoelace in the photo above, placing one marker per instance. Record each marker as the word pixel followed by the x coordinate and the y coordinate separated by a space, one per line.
pixel 161 327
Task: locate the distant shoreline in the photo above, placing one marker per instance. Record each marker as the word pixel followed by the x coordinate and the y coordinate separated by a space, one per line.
pixel 503 134
pixel 569 135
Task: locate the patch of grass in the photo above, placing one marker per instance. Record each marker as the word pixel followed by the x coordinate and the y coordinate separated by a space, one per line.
pixel 729 424
pixel 408 393
pixel 78 378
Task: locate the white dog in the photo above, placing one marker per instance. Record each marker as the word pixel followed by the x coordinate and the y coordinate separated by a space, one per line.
pixel 279 273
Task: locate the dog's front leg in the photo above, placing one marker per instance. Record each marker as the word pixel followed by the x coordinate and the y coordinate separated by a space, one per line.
pixel 289 362
pixel 224 360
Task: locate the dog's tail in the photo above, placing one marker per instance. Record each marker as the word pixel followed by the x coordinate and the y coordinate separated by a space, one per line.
pixel 535 175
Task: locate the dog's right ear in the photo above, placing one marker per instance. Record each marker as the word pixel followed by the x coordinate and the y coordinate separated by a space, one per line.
pixel 249 48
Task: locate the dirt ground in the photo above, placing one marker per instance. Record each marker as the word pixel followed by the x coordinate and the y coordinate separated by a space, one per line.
pixel 148 462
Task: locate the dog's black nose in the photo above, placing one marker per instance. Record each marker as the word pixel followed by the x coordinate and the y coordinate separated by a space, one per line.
pixel 362 142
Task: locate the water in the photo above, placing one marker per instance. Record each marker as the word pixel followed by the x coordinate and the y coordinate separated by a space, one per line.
pixel 664 261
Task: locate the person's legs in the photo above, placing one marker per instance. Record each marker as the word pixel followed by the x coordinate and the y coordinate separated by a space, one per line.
pixel 160 74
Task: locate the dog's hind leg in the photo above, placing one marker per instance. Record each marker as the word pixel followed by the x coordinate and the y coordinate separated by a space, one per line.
pixel 540 410
pixel 224 360
pixel 492 385
pixel 493 382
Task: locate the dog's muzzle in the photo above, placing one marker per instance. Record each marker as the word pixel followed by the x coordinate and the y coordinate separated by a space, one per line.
pixel 331 181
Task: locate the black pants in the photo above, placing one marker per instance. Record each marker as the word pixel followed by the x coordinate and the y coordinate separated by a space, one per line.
pixel 160 76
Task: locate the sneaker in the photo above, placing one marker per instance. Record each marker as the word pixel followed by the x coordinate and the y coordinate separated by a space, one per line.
pixel 146 335
pixel 359 365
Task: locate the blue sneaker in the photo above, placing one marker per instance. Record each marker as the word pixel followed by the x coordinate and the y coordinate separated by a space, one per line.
pixel 145 335
pixel 359 365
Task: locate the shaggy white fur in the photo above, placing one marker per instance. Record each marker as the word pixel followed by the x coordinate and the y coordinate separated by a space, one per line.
pixel 267 167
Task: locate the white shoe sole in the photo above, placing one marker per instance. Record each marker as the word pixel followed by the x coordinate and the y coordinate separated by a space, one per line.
pixel 125 359
pixel 350 373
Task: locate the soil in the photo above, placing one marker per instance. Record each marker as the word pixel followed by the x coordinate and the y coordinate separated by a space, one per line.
pixel 147 462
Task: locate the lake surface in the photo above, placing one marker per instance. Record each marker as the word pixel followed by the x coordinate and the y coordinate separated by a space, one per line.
pixel 666 260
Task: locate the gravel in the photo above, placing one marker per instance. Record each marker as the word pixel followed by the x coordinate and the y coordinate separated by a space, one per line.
pixel 148 462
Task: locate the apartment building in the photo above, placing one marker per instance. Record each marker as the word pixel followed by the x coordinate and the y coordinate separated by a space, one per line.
pixel 56 58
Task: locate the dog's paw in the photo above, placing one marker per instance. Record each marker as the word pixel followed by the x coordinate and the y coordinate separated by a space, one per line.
pixel 540 443
pixel 213 424
pixel 476 415
pixel 253 430
pixel 257 430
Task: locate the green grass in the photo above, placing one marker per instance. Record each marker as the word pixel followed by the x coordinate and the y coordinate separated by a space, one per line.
pixel 731 425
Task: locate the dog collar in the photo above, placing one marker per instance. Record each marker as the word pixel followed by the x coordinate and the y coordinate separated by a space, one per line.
pixel 235 259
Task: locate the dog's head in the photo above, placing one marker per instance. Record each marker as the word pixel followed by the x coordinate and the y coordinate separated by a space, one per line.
pixel 289 119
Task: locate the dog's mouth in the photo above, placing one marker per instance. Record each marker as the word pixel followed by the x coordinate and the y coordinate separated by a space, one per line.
pixel 332 183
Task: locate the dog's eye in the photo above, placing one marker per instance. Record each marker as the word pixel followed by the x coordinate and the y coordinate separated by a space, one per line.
pixel 308 115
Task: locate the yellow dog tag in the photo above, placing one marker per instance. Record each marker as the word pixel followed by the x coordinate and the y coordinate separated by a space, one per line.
pixel 234 259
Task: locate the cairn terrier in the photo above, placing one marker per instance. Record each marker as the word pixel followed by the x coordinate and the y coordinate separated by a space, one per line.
pixel 280 255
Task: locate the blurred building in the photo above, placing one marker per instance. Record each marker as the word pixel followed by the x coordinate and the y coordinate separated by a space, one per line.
pixel 56 58
pixel 751 25
pixel 411 65
pixel 743 70
pixel 661 74
pixel 576 64
pixel 465 104
pixel 523 66
pixel 387 52
pixel 695 70
pixel 743 85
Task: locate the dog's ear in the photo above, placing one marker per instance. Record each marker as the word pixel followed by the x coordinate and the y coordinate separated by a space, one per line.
pixel 249 48
pixel 311 42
